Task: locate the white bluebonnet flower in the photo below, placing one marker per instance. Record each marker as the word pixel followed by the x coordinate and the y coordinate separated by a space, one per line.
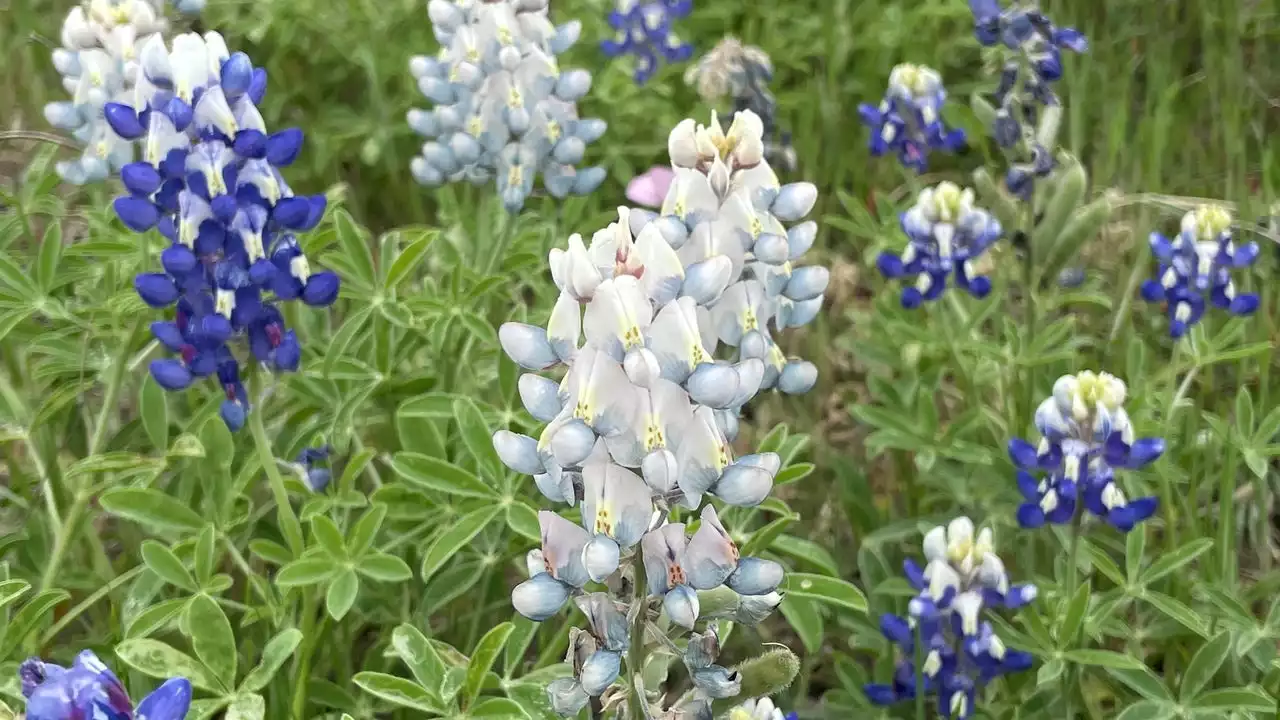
pixel 710 681
pixel 676 567
pixel 743 72
pixel 209 180
pixel 961 580
pixel 1196 265
pixel 88 689
pixel 644 30
pixel 98 62
pixel 946 234
pixel 503 110
pixel 909 119
pixel 643 417
pixel 759 709
pixel 595 655
pixel 1086 436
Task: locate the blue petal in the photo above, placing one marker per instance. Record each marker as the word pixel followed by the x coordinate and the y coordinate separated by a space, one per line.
pixel 137 213
pixel 170 701
pixel 233 414
pixel 539 597
pixel 170 374
pixel 283 147
pixel 123 120
pixel 1023 454
pixel 1030 515
pixel 156 289
pixel 140 178
pixel 897 630
pixel 236 75
pixel 755 576
pixel 321 289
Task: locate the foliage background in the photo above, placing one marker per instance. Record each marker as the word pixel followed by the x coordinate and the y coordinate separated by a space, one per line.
pixel 1174 100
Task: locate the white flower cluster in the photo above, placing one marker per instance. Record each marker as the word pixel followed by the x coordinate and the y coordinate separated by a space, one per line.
pixel 644 415
pixel 503 108
pixel 98 61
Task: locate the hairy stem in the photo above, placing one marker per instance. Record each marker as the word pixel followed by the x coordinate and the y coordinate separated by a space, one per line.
pixel 635 653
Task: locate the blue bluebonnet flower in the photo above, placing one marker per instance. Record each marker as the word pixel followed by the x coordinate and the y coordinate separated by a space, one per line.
pixel 210 182
pixel 759 709
pixel 744 72
pixel 644 30
pixel 962 580
pixel 1086 436
pixel 88 689
pixel 946 235
pixel 308 466
pixel 909 121
pixel 98 62
pixel 595 655
pixel 1032 41
pixel 1196 265
pixel 503 111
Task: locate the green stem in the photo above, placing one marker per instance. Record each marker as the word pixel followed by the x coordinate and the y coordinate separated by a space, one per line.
pixel 88 602
pixel 635 653
pixel 310 638
pixel 119 365
pixel 1069 680
pixel 62 541
pixel 1227 520
pixel 289 525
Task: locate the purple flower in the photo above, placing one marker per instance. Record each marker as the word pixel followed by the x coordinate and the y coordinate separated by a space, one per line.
pixel 88 690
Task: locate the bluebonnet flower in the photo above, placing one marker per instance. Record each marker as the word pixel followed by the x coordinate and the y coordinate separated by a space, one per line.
pixel 644 415
pixel 1196 265
pixel 210 182
pixel 1032 60
pixel 309 469
pixel 595 655
pixel 504 110
pixel 98 62
pixel 909 121
pixel 744 72
pixel 759 709
pixel 644 30
pixel 1086 436
pixel 88 689
pixel 946 234
pixel 710 681
pixel 962 579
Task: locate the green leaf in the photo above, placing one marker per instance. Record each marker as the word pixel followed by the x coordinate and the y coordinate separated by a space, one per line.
pixel 994 197
pixel 206 554
pixel 11 590
pixel 276 653
pixel 1084 224
pixel 1147 710
pixel 249 706
pixel 1176 610
pixel 50 254
pixel 28 618
pixel 342 594
pixel 154 408
pixel 832 591
pixel 158 660
pixel 522 635
pixel 155 617
pixel 1142 681
pixel 498 709
pixel 212 638
pixel 524 520
pixel 1135 547
pixel 408 260
pixel 805 620
pixel 455 537
pixel 164 563
pixel 307 571
pixel 1073 618
pixel 366 530
pixel 151 508
pixel 1171 562
pixel 476 435
pixel 1204 665
pixel 326 533
pixel 1246 699
pixel 486 653
pixel 396 690
pixel 342 339
pixel 418 654
pixel 13 276
pixel 384 567
pixel 219 446
pixel 439 475
pixel 355 246
pixel 1067 191
pixel 1104 659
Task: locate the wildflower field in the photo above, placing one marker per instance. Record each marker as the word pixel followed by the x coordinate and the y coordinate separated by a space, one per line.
pixel 639 359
